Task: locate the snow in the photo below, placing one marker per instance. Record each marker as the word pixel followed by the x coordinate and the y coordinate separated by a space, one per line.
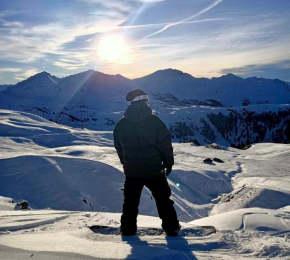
pixel 275 222
pixel 263 180
pixel 229 90
pixel 55 167
pixel 48 231
pixel 3 87
pixel 96 100
pixel 6 203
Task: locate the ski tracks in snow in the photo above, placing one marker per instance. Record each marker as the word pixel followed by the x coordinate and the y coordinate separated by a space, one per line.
pixel 27 221
pixel 244 219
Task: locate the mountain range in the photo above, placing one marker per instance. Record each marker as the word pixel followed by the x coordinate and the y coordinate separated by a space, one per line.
pixel 229 109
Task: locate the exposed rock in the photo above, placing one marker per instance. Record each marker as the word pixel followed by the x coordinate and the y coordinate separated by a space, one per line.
pixel 207 160
pixel 195 141
pixel 247 147
pixel 22 204
pixel 218 160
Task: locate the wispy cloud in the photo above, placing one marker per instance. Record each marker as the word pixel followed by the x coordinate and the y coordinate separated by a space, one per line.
pixel 10 69
pixel 280 69
pixel 26 74
pixel 29 44
pixel 70 64
pixel 11 24
pixel 184 20
pixel 137 26
pixel 6 13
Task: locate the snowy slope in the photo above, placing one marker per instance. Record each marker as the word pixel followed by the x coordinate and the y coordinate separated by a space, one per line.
pixel 263 182
pixel 55 166
pixel 49 234
pixel 3 87
pixel 229 90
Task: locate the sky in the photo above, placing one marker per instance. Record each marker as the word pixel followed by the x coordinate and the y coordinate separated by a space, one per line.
pixel 206 38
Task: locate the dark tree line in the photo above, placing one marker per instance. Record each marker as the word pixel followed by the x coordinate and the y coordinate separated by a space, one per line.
pixel 183 131
pixel 241 129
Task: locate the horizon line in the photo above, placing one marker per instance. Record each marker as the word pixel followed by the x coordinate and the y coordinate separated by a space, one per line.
pixel 238 76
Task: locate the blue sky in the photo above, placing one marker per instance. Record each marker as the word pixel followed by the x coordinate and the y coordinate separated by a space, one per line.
pixel 206 38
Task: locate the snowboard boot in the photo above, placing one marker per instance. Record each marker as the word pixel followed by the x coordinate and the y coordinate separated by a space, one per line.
pixel 129 232
pixel 172 233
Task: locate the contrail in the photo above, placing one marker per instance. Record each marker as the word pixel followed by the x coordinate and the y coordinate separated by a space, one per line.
pixel 165 24
pixel 183 21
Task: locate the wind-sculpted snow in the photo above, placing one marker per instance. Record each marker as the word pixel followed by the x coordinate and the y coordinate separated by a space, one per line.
pixel 263 182
pixel 72 235
pixel 276 222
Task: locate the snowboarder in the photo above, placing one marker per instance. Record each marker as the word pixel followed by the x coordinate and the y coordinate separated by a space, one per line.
pixel 143 144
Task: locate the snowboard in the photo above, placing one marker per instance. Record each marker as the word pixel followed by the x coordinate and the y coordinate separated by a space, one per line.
pixel 196 231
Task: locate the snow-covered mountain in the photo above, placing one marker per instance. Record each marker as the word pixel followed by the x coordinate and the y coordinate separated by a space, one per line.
pixel 73 181
pixel 228 90
pixel 3 87
pixel 193 108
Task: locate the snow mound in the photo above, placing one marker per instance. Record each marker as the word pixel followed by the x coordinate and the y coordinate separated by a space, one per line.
pixel 6 203
pixel 274 222
pixel 262 182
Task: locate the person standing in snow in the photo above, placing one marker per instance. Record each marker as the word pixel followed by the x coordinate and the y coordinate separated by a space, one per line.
pixel 143 144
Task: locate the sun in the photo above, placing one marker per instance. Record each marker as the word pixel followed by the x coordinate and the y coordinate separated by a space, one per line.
pixel 113 48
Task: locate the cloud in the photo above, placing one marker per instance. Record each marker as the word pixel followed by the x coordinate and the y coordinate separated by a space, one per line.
pixel 151 1
pixel 31 43
pixel 137 26
pixel 184 20
pixel 10 69
pixel 70 64
pixel 7 13
pixel 26 74
pixel 30 40
pixel 124 7
pixel 11 24
pixel 280 69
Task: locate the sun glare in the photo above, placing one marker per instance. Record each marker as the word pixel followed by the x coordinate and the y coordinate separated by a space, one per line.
pixel 113 48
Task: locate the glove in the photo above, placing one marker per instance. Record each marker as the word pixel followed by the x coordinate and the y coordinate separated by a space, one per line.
pixel 166 169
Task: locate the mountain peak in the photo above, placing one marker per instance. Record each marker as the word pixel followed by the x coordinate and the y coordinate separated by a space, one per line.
pixel 231 75
pixel 43 73
pixel 40 77
pixel 171 72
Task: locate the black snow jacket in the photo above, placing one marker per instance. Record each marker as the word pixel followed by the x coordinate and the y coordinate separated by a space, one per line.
pixel 143 142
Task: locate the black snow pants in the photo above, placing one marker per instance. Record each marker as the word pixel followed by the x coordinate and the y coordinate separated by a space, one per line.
pixel 161 192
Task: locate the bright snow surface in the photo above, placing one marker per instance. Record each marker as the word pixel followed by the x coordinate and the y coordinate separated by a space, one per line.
pixel 53 166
